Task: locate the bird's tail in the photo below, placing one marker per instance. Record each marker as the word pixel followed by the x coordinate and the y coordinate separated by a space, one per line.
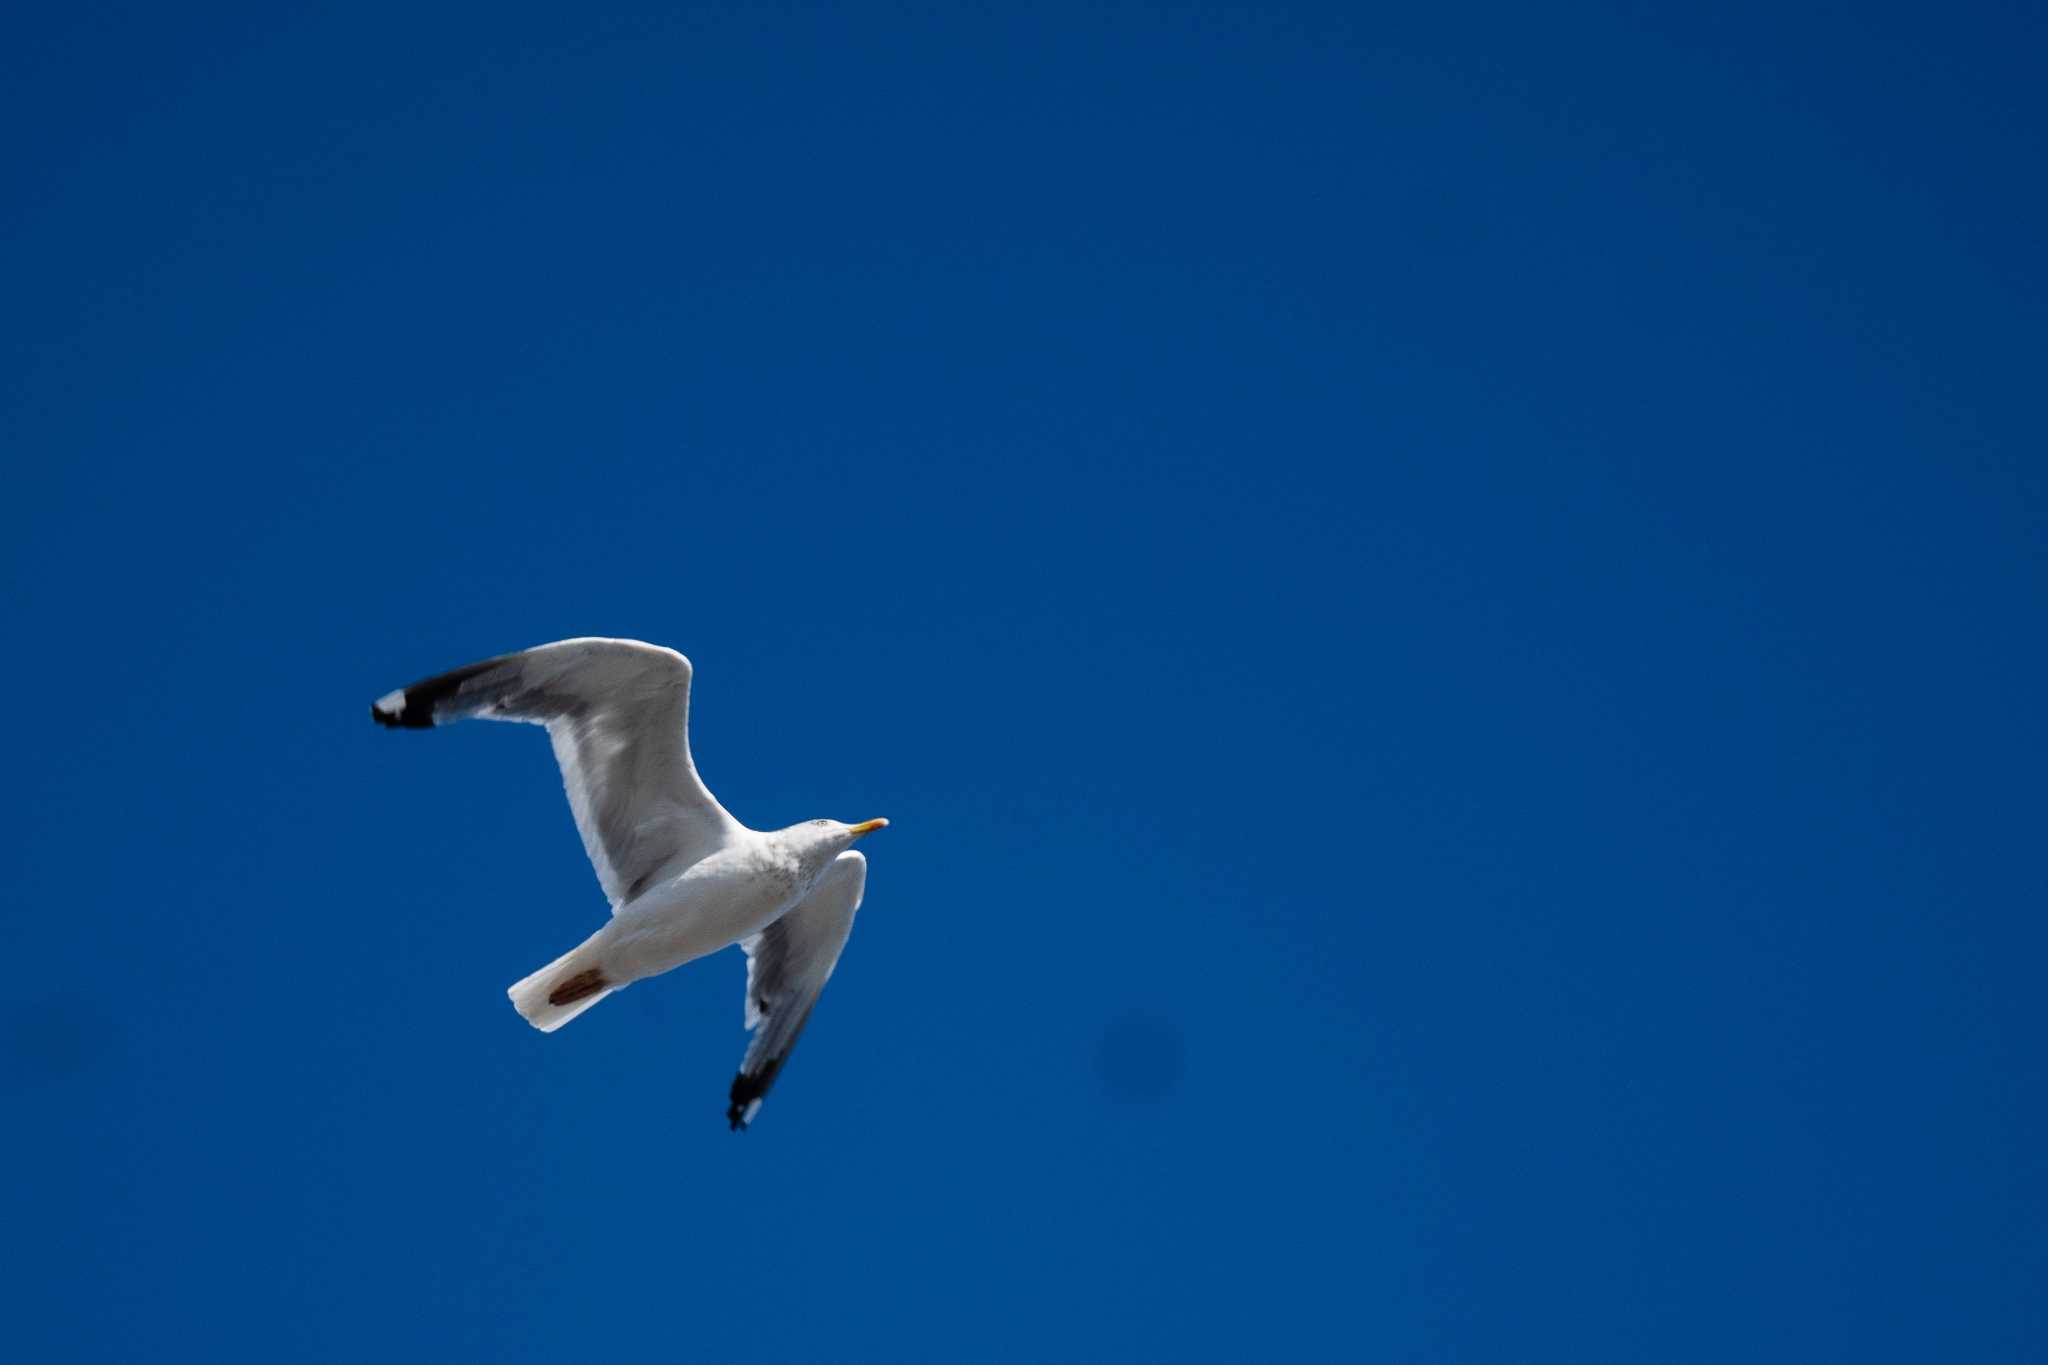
pixel 563 989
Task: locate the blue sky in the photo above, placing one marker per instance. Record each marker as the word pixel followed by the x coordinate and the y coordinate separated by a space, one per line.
pixel 1445 601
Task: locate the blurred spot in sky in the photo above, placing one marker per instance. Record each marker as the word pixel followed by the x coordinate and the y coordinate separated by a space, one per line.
pixel 1448 218
pixel 47 1040
pixel 1140 1056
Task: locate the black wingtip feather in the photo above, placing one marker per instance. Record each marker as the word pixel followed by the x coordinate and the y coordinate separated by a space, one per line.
pixel 408 716
pixel 746 1090
pixel 416 703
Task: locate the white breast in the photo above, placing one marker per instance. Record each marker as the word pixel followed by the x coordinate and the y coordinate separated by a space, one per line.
pixel 734 894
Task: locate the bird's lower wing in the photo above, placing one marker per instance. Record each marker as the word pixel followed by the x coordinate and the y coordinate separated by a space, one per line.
pixel 788 964
pixel 618 712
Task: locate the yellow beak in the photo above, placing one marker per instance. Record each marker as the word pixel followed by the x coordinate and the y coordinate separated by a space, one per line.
pixel 869 827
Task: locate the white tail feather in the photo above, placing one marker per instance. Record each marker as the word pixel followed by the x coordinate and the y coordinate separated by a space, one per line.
pixel 530 996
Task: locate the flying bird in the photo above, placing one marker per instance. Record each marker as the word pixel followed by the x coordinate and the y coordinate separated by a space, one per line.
pixel 684 878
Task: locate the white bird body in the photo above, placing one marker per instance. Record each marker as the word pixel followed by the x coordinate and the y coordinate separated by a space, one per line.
pixel 684 878
pixel 716 902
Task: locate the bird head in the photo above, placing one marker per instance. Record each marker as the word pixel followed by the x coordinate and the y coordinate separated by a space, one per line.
pixel 820 841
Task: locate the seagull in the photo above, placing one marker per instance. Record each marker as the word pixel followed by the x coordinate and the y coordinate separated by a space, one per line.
pixel 683 877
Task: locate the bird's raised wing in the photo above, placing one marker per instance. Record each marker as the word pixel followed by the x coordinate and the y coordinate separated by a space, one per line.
pixel 788 964
pixel 618 712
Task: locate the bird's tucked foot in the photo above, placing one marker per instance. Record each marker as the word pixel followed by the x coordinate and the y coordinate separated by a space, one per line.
pixel 585 983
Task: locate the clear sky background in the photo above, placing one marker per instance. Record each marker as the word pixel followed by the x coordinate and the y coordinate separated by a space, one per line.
pixel 1447 603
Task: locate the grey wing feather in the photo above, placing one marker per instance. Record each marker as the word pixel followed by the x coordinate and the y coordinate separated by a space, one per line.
pixel 618 713
pixel 788 964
